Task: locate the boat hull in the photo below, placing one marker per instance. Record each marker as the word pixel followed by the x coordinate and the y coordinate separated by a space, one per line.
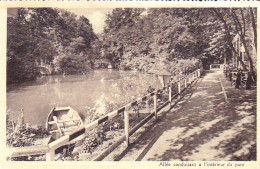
pixel 62 121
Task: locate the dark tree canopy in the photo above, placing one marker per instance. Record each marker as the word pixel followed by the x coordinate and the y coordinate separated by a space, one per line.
pixel 133 38
pixel 52 36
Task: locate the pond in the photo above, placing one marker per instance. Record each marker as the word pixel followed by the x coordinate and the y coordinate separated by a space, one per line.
pixel 95 90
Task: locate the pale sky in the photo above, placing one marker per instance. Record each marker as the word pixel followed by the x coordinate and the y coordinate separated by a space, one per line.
pixel 96 16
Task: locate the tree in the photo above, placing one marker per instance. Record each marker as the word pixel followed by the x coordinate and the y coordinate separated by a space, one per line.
pixel 242 27
pixel 160 35
pixel 47 35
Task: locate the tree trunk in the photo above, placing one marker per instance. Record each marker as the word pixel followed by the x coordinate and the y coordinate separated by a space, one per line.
pixel 242 36
pixel 248 55
pixel 229 38
pixel 254 27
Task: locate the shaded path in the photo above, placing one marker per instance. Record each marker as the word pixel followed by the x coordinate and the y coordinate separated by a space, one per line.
pixel 201 127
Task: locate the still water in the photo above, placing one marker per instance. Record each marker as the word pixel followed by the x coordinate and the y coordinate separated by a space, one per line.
pixel 95 90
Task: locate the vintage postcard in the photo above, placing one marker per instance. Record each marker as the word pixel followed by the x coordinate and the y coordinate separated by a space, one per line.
pixel 129 84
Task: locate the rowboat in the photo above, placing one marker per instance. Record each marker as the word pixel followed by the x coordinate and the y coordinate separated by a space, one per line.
pixel 62 121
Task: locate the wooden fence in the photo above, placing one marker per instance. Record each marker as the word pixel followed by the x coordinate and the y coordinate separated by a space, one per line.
pixel 49 149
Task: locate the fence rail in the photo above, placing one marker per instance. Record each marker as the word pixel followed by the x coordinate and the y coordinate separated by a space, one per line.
pixel 49 149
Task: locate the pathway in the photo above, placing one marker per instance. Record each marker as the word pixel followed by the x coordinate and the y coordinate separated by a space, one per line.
pixel 200 127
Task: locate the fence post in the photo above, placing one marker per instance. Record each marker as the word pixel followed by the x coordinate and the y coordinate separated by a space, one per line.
pixel 126 121
pixel 21 118
pixel 50 155
pixel 147 104
pixel 170 94
pixel 138 113
pixel 155 104
pixel 179 87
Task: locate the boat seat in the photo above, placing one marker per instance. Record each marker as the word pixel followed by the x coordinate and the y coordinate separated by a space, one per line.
pixel 61 108
pixel 62 121
pixel 65 130
pixel 58 126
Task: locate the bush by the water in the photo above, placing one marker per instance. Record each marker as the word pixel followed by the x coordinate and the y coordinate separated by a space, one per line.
pixel 93 139
pixel 23 135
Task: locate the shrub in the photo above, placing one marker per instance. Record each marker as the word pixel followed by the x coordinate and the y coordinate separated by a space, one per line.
pixel 93 139
pixel 22 135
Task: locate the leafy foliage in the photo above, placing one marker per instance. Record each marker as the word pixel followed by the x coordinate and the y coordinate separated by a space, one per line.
pixel 241 22
pixel 93 140
pixel 149 39
pixel 167 34
pixel 133 38
pixel 48 35
pixel 22 135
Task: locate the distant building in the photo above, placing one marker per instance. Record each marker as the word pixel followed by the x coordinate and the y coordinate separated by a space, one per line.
pixel 103 63
pixel 163 75
pixel 240 49
pixel 12 12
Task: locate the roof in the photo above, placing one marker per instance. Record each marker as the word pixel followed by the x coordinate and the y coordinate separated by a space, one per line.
pixel 98 61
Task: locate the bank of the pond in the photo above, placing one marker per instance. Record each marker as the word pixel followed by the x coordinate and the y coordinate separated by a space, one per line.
pixel 98 90
pixel 113 89
pixel 95 140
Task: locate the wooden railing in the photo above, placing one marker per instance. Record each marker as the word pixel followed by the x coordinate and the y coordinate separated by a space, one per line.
pixel 49 149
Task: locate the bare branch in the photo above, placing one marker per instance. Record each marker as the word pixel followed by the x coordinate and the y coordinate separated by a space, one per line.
pixel 242 36
pixel 237 23
pixel 228 36
pixel 244 22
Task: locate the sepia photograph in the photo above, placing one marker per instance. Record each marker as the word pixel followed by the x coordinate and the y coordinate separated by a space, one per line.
pixel 131 84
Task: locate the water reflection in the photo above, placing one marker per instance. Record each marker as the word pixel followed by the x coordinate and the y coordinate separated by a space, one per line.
pixel 95 90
